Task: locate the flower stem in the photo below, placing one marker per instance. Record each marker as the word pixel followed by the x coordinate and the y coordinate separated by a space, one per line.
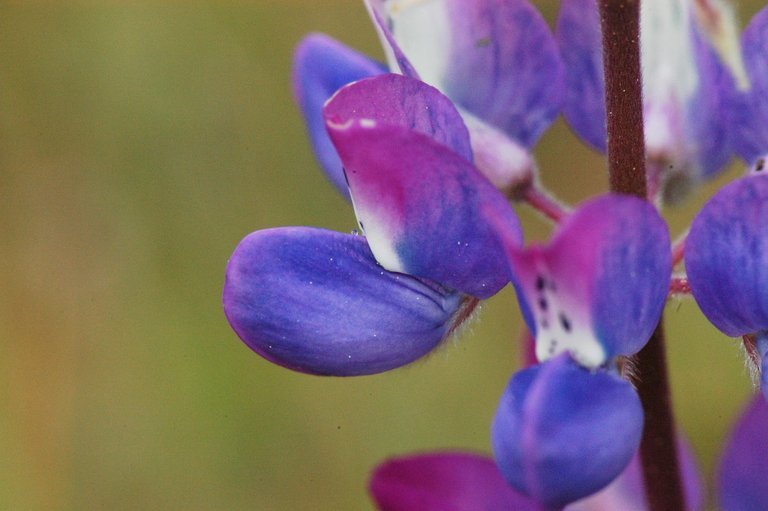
pixel 678 250
pixel 679 286
pixel 545 204
pixel 620 21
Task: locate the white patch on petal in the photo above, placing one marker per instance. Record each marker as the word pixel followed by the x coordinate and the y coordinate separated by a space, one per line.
pixel 669 69
pixel 670 79
pixel 562 324
pixel 379 238
pixel 422 29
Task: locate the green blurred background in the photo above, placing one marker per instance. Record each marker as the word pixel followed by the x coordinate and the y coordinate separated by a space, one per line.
pixel 138 145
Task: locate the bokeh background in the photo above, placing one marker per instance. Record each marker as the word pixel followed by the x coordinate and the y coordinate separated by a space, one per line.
pixel 138 144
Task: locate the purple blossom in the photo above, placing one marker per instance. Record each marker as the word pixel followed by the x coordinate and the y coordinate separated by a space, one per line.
pixel 422 156
pixel 329 303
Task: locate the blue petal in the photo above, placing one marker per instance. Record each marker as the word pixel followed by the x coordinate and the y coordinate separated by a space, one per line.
pixel 726 257
pixel 562 433
pixel 762 349
pixel 751 114
pixel 709 110
pixel 321 66
pixel 581 48
pixel 419 204
pixel 497 60
pixel 742 481
pixel 316 301
pixel 397 100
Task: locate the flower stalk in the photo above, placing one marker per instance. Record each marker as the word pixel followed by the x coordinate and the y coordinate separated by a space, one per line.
pixel 620 23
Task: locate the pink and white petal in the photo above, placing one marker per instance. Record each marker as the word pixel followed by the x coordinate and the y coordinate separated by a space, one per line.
pixel 419 204
pixel 598 288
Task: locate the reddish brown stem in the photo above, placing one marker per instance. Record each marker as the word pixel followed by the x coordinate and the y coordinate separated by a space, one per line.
pixel 620 22
pixel 678 251
pixel 545 204
pixel 679 286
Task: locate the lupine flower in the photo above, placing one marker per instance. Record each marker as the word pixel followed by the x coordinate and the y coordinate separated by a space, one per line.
pixel 726 255
pixel 462 481
pixel 687 89
pixel 329 303
pixel 594 293
pixel 497 61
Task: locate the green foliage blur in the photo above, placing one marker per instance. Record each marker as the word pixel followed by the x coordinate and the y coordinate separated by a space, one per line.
pixel 138 144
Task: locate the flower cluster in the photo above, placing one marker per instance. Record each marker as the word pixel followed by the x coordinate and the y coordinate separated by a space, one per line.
pixel 430 150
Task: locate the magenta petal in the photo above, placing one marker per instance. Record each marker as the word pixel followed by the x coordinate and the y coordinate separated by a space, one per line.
pixel 742 481
pixel 598 288
pixel 419 204
pixel 321 66
pixel 400 101
pixel 316 301
pixel 448 481
pixel 496 59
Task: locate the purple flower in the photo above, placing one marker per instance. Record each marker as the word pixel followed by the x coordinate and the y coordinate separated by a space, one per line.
pixel 687 88
pixel 595 292
pixel 555 416
pixel 496 60
pixel 329 303
pixel 461 481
